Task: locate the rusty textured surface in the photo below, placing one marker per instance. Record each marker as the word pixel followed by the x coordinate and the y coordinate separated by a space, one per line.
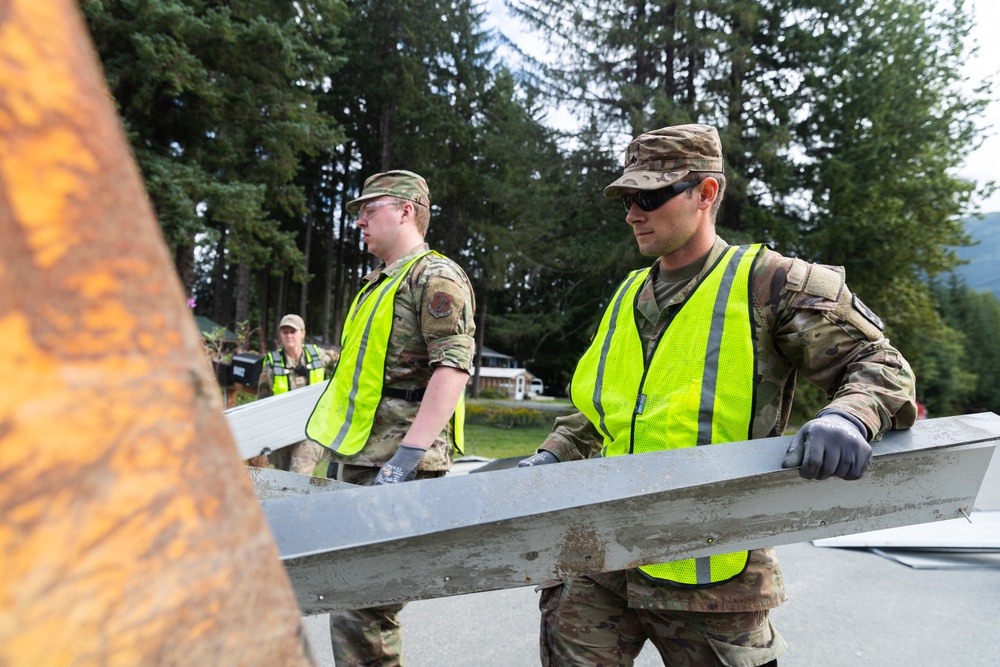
pixel 434 538
pixel 130 533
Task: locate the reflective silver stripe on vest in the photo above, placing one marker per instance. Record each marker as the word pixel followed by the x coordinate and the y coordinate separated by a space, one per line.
pixel 706 411
pixel 314 358
pixel 599 383
pixel 362 350
pixel 277 363
pixel 703 570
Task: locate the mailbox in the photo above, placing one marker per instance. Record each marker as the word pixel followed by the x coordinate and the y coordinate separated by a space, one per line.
pixel 246 369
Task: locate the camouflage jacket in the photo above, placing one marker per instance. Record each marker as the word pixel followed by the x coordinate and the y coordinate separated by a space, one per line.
pixel 806 322
pixel 433 326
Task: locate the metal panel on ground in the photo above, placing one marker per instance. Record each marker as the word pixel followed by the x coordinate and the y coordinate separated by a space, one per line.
pixel 980 531
pixel 511 528
pixel 943 559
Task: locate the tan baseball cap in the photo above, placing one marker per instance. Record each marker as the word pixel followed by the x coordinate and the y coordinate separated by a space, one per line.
pixel 397 183
pixel 293 321
pixel 662 157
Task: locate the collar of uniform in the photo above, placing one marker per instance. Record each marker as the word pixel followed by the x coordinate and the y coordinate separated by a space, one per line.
pixel 646 303
pixel 397 266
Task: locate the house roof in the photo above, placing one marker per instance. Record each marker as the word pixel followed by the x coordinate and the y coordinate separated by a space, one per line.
pixel 490 352
pixel 503 372
pixel 208 327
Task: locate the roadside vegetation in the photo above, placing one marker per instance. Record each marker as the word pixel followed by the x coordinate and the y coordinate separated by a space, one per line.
pixel 498 430
pixel 845 126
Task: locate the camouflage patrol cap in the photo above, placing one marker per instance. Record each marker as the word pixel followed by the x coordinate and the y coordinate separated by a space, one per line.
pixel 662 157
pixel 293 321
pixel 397 183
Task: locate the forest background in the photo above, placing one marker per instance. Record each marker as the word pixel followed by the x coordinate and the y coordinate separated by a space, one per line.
pixel 844 123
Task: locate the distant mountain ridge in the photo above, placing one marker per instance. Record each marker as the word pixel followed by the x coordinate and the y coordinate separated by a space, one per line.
pixel 983 270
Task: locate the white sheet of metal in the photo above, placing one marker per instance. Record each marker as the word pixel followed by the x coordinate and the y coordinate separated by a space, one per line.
pixel 980 531
pixel 434 538
pixel 965 559
pixel 274 422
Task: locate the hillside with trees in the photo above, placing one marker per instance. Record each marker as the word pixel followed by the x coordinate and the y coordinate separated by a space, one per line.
pixel 982 270
pixel 844 125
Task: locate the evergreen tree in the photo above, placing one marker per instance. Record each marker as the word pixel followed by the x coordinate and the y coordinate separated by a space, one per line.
pixel 888 127
pixel 218 101
pixel 970 380
pixel 843 122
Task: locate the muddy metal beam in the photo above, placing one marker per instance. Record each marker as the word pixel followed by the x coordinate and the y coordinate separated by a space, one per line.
pixel 509 528
pixel 269 483
pixel 130 534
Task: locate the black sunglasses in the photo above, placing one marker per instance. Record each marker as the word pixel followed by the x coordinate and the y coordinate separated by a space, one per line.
pixel 650 200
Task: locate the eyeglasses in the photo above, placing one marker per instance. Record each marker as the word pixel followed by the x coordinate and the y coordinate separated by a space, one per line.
pixel 650 200
pixel 368 210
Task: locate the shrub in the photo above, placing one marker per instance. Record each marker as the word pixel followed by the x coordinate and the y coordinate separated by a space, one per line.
pixel 492 394
pixel 507 418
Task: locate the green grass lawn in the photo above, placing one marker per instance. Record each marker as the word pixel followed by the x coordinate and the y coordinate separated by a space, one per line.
pixel 490 442
pixel 502 443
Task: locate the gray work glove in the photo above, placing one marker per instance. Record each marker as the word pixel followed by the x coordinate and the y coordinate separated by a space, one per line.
pixel 402 467
pixel 540 458
pixel 835 443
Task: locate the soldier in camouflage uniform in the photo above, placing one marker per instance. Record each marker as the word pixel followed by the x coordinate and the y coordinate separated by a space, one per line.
pixel 301 457
pixel 427 363
pixel 802 320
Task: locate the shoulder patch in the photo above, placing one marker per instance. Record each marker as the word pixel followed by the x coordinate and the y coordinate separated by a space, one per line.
pixel 440 305
pixel 867 313
pixel 796 274
pixel 439 266
pixel 825 281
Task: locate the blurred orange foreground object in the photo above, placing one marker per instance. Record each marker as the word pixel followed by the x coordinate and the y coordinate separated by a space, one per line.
pixel 129 531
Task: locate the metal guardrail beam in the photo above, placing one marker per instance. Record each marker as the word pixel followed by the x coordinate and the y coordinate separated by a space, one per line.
pixel 510 528
pixel 269 483
pixel 273 422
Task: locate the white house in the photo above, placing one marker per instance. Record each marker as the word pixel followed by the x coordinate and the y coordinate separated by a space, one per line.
pixel 500 373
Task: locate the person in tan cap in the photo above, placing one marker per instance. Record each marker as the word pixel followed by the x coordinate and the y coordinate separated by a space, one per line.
pixel 394 409
pixel 293 365
pixel 703 347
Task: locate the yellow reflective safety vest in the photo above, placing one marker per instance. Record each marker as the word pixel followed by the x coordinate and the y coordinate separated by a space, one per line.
pixel 342 418
pixel 281 373
pixel 695 387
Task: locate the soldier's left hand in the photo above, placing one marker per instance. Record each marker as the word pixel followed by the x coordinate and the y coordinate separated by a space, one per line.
pixel 402 467
pixel 542 457
pixel 834 443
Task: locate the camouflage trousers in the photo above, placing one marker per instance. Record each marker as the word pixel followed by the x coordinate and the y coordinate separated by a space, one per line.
pixel 368 637
pixel 302 457
pixel 586 624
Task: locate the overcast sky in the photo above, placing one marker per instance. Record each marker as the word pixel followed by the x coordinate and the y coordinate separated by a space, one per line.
pixel 982 166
